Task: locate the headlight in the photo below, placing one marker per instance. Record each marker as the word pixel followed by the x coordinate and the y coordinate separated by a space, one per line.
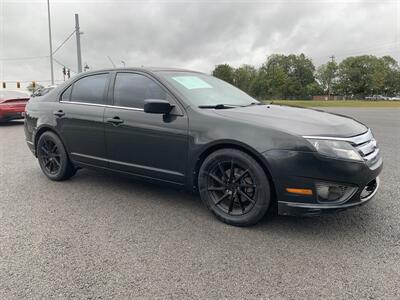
pixel 336 149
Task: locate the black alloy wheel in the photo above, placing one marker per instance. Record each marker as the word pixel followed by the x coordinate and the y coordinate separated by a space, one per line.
pixel 53 158
pixel 50 155
pixel 234 187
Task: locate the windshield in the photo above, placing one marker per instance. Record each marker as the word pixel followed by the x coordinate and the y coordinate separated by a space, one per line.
pixel 205 90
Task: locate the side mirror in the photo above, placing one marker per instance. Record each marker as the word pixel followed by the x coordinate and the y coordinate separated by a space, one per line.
pixel 157 106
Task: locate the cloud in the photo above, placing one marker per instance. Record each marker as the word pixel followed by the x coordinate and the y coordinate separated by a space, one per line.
pixel 191 34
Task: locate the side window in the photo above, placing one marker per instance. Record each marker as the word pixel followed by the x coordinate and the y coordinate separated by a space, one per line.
pixel 66 95
pixel 90 89
pixel 132 89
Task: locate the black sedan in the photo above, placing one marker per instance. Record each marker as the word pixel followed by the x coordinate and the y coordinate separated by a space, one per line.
pixel 192 130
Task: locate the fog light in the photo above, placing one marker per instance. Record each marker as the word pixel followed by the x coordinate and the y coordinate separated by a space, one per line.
pixel 333 193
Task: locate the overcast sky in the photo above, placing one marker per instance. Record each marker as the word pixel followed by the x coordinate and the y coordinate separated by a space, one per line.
pixel 191 34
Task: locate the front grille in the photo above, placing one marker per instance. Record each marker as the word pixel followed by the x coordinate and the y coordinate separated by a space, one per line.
pixel 366 146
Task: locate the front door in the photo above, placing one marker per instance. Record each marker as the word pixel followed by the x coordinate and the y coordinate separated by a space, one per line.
pixel 148 145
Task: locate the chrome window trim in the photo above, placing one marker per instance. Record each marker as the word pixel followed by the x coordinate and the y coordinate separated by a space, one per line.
pixel 102 105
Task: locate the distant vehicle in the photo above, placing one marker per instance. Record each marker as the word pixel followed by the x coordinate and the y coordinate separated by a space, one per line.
pixel 198 132
pixel 395 98
pixel 12 105
pixel 43 91
pixel 377 97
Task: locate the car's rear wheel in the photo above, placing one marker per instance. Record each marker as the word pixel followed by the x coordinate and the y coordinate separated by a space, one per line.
pixel 234 187
pixel 53 158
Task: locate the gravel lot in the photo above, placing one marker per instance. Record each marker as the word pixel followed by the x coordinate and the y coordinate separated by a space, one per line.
pixel 99 236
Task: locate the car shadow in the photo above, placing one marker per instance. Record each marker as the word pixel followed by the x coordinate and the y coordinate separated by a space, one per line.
pixel 12 123
pixel 178 202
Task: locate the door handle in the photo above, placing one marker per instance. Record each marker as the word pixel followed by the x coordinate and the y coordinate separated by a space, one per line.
pixel 59 113
pixel 115 121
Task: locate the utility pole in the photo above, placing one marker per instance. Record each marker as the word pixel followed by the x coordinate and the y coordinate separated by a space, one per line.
pixel 51 46
pixel 78 43
pixel 332 57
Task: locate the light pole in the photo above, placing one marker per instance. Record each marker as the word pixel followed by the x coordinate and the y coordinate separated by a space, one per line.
pixel 78 43
pixel 51 46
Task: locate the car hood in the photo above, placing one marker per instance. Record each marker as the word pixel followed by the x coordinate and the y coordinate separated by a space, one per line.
pixel 298 121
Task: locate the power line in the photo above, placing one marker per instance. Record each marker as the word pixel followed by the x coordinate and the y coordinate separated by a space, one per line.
pixel 23 58
pixel 63 65
pixel 64 42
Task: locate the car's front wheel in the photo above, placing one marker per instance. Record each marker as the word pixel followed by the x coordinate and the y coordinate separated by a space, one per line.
pixel 234 187
pixel 53 158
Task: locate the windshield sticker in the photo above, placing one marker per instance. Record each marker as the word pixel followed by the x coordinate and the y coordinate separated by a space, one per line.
pixel 192 82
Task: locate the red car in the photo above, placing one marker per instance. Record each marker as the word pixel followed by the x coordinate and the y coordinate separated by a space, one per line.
pixel 12 105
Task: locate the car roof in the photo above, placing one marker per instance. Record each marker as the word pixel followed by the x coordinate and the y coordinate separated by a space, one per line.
pixel 142 69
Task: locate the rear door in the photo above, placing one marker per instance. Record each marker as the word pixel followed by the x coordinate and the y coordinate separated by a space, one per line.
pixel 148 145
pixel 80 119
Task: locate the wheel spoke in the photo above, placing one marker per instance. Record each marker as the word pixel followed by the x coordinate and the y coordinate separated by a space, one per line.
pixel 51 166
pixel 241 175
pixel 222 172
pixel 222 198
pixel 47 144
pixel 44 150
pixel 231 175
pixel 240 203
pixel 246 196
pixel 232 200
pixel 246 185
pixel 216 179
pixel 57 163
pixel 216 188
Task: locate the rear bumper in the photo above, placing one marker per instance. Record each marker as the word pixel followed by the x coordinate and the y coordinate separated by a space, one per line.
pixel 303 170
pixel 11 114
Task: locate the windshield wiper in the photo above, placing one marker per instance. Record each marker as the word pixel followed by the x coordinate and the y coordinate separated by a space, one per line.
pixel 253 103
pixel 219 106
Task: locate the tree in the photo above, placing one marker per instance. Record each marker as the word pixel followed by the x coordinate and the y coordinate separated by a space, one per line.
pixel 33 89
pixel 224 72
pixel 327 76
pixel 294 77
pixel 289 76
pixel 367 75
pixel 244 77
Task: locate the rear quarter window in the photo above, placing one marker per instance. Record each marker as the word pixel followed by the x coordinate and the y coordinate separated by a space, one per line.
pixel 90 89
pixel 66 95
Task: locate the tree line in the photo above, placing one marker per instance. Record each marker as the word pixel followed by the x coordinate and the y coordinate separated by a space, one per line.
pixel 296 77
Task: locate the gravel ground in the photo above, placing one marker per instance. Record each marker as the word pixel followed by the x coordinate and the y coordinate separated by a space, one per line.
pixel 99 236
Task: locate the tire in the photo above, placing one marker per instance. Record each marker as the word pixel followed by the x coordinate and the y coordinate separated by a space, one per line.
pixel 53 158
pixel 239 198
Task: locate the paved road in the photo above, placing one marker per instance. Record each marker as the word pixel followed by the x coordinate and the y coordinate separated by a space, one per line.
pixel 100 236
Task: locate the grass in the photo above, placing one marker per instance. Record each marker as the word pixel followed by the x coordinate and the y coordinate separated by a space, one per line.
pixel 333 103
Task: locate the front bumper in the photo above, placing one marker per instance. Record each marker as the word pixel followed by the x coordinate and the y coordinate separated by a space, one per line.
pixel 309 209
pixel 302 170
